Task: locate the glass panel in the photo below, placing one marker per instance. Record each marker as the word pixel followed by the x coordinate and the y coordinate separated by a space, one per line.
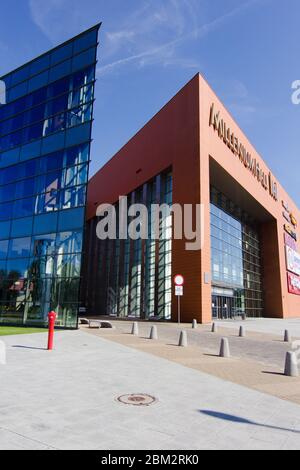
pixel 73 197
pixel 235 258
pixel 24 207
pixel 43 245
pixel 38 81
pixel 43 178
pixel 52 162
pixel 19 247
pixel 85 41
pixel 69 242
pixel 21 227
pixel 39 64
pixel 17 91
pixel 71 219
pixel 59 87
pixel 60 70
pixel 68 265
pixel 3 249
pixel 45 223
pixel 85 58
pixel 19 76
pixel 4 229
pixel 17 268
pixel 77 155
pixel 62 53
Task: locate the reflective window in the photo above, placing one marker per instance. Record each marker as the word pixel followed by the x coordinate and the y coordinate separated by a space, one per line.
pixel 61 53
pixel 59 87
pixel 235 258
pixel 43 245
pixel 69 242
pixel 17 268
pixel 60 70
pixel 85 41
pixel 6 211
pixel 21 227
pixel 20 75
pixel 3 249
pixel 135 275
pixel 40 64
pixel 19 248
pixel 24 207
pixel 52 162
pixel 45 224
pixel 68 265
pixel 4 229
pixel 84 59
pixel 45 133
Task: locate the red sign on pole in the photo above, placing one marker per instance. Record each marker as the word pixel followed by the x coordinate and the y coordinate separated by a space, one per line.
pixel 179 283
pixel 179 280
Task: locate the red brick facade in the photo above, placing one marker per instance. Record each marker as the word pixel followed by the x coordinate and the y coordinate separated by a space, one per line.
pixel 183 136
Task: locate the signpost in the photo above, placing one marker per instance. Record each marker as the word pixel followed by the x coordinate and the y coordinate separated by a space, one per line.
pixel 179 283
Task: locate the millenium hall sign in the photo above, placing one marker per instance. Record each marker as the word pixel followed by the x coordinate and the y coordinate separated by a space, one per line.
pixel 233 143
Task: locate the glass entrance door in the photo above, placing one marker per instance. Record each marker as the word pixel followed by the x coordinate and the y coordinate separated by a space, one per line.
pixel 222 307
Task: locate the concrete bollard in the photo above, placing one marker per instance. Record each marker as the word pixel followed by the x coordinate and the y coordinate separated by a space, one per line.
pixel 195 325
pixel 214 328
pixel 287 337
pixel 225 350
pixel 135 329
pixel 183 342
pixel 291 365
pixel 153 333
pixel 242 333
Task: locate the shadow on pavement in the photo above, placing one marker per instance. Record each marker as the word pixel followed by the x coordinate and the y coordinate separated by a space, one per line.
pixel 237 419
pixel 279 374
pixel 29 347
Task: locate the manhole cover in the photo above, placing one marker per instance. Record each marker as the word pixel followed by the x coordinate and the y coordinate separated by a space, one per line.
pixel 137 399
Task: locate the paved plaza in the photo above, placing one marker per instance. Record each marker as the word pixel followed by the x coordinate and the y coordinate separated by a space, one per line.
pixel 67 399
pixel 271 326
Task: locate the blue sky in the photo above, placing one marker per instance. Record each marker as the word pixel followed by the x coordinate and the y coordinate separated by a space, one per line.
pixel 247 49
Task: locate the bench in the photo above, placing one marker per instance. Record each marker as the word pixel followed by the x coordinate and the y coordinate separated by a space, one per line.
pixel 99 324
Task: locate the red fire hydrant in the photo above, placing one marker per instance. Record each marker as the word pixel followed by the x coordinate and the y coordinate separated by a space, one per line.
pixel 52 318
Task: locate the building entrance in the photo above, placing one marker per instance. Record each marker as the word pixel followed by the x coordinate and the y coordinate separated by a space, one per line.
pixel 223 307
pixel 226 307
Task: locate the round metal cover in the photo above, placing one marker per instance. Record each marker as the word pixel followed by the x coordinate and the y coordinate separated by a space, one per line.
pixel 137 399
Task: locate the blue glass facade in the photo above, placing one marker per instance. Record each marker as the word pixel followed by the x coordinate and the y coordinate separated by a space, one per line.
pixel 45 136
pixel 237 286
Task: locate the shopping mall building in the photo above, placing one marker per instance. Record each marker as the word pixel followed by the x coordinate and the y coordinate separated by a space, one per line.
pixel 191 153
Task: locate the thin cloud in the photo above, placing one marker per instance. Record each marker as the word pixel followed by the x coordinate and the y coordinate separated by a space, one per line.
pixel 136 57
pixel 151 34
pixel 149 27
pixel 160 53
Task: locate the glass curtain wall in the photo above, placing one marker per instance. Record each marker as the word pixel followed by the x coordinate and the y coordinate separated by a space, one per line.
pixel 132 278
pixel 45 134
pixel 236 260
